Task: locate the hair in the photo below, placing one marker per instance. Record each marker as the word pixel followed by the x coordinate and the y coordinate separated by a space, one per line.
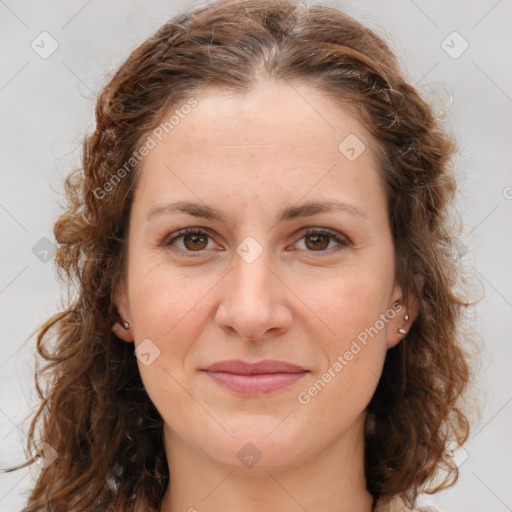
pixel 94 410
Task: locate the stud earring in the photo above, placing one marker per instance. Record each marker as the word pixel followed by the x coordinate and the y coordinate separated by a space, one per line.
pixel 402 331
pixel 406 317
pixel 125 325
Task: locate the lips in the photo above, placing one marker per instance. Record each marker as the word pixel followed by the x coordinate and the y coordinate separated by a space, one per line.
pixel 243 368
pixel 255 378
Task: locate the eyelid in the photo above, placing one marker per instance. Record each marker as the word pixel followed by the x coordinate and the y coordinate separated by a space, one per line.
pixel 342 240
pixel 175 235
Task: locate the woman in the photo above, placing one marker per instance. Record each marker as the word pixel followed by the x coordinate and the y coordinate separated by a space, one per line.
pixel 265 316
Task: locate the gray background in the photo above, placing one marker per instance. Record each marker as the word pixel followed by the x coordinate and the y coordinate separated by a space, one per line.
pixel 47 106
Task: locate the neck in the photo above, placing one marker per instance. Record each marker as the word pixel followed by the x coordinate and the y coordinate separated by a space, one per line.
pixel 330 480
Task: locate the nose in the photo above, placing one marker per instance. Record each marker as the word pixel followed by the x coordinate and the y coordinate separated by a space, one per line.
pixel 253 304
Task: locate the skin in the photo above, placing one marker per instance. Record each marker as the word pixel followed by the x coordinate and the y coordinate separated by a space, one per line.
pixel 250 156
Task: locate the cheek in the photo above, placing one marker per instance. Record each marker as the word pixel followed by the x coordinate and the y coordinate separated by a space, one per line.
pixel 161 310
pixel 345 303
pixel 353 315
pixel 164 298
pixel 355 349
pixel 166 309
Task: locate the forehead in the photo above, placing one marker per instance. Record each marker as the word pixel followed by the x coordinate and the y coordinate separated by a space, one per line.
pixel 272 114
pixel 277 139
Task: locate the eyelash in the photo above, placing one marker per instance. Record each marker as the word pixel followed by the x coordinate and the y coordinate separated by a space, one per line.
pixel 167 241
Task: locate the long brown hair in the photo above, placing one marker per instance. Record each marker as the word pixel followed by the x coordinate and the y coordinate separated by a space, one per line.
pixel 94 410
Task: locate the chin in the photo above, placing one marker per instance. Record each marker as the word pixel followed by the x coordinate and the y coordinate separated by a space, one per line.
pixel 257 454
pixel 264 443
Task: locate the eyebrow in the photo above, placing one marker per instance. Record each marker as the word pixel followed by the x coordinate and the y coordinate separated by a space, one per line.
pixel 285 214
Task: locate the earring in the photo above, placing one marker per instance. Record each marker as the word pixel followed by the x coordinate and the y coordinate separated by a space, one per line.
pixel 125 325
pixel 401 331
pixel 406 317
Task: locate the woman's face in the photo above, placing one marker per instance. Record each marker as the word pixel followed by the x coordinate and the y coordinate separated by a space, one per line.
pixel 265 279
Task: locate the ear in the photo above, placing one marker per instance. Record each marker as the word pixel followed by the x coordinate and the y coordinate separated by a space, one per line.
pixel 120 297
pixel 398 321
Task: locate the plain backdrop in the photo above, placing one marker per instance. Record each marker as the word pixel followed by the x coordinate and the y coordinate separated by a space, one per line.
pixel 55 57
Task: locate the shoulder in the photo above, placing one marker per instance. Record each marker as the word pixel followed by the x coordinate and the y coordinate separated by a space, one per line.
pixel 396 504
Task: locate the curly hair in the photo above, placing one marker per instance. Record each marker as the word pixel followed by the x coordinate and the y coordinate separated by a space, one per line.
pixel 94 410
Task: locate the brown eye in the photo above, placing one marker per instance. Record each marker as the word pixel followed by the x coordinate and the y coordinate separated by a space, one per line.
pixel 188 241
pixel 318 242
pixel 195 242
